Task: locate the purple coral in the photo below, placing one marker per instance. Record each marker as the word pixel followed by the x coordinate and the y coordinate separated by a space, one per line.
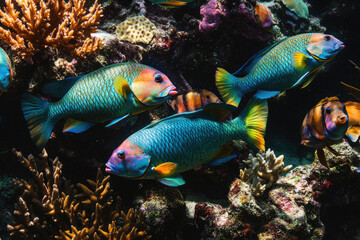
pixel 211 13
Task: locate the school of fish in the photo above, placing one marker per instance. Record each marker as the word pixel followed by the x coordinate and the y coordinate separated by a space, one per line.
pixel 201 130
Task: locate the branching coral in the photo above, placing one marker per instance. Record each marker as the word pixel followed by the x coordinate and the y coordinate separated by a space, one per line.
pixel 57 23
pixel 51 208
pixel 265 170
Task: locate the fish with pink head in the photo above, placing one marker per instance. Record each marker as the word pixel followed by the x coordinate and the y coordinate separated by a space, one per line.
pixel 325 125
pixel 165 149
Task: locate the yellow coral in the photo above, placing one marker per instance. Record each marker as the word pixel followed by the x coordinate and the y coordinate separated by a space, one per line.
pixel 136 29
pixel 57 23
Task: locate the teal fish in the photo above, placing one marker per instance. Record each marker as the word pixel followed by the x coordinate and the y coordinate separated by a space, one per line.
pixel 171 3
pixel 118 91
pixel 186 140
pixel 294 61
pixel 5 71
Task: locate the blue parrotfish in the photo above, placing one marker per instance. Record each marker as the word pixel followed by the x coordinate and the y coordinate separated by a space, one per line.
pixel 116 92
pixel 294 61
pixel 193 100
pixel 325 125
pixel 187 140
pixel 5 71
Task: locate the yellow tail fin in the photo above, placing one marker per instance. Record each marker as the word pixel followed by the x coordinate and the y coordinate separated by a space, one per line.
pixel 225 82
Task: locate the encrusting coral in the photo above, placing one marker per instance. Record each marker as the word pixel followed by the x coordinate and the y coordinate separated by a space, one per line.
pixel 50 207
pixel 57 23
pixel 136 29
pixel 265 170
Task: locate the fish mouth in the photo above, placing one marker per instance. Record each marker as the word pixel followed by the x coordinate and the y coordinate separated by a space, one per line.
pixel 169 91
pixel 110 168
pixel 172 91
pixel 340 45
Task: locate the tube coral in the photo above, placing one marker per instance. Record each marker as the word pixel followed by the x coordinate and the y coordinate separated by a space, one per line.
pixel 50 207
pixel 56 23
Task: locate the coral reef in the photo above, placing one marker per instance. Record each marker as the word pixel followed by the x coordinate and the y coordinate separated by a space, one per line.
pixel 136 29
pixel 290 210
pixel 56 23
pixel 265 169
pixel 50 207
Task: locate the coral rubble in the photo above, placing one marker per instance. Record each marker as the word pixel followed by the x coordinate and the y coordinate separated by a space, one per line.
pixel 56 23
pixel 50 207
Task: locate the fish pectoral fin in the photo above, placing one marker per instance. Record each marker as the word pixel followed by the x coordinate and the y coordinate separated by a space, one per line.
pixel 312 76
pixel 353 133
pixel 59 88
pixel 301 79
pixel 300 60
pixel 127 119
pixel 76 126
pixel 321 157
pixel 262 94
pixel 225 154
pixel 174 181
pixel 165 169
pixel 122 86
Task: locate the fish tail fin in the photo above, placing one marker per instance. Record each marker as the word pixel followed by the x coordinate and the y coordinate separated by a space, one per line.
pixel 254 117
pixel 36 115
pixel 226 82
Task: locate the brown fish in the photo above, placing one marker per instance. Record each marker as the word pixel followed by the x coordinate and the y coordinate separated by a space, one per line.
pixel 193 100
pixel 353 110
pixel 325 125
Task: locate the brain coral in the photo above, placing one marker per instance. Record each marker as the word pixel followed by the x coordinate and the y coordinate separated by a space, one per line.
pixel 136 29
pixel 298 6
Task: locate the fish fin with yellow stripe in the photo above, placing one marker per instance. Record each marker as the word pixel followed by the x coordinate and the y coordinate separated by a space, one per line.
pixel 300 60
pixel 225 82
pixel 353 133
pixel 255 117
pixel 122 86
pixel 127 119
pixel 312 76
pixel 76 126
pixel 166 169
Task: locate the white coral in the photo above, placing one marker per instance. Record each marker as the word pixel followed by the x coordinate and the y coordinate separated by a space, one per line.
pixel 265 170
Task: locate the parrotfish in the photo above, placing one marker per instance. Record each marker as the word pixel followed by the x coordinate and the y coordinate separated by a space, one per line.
pixel 186 140
pixel 171 3
pixel 325 125
pixel 5 71
pixel 116 92
pixel 292 62
pixel 193 100
pixel 353 110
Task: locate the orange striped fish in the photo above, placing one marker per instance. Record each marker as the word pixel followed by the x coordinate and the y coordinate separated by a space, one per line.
pixel 193 100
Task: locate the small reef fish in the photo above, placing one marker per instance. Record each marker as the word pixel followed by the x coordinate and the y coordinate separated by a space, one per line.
pixel 294 61
pixel 118 91
pixel 193 100
pixel 325 125
pixel 186 140
pixel 170 3
pixel 353 110
pixel 5 71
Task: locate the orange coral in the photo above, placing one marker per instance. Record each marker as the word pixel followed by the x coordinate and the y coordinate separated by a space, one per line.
pixel 40 24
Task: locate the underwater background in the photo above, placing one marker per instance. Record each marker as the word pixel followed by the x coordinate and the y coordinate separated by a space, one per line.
pixel 187 43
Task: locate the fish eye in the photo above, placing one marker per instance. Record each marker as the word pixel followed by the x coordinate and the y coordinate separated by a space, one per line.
pixel 121 155
pixel 328 110
pixel 158 78
pixel 327 38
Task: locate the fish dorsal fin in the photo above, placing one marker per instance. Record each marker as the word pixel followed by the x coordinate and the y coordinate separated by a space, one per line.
pixel 59 88
pixel 312 76
pixel 352 90
pixel 122 86
pixel 246 68
pixel 212 111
